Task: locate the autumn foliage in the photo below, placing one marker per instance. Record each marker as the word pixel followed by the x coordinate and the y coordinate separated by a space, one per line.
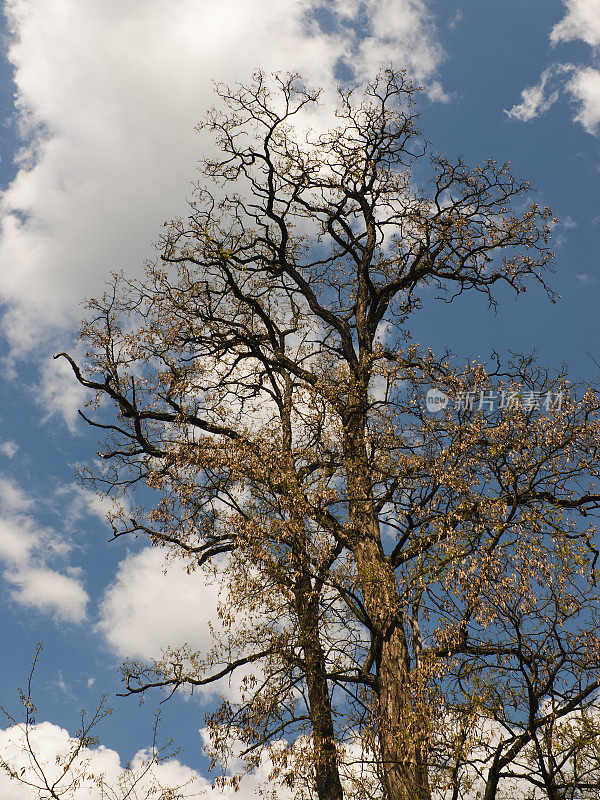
pixel 419 589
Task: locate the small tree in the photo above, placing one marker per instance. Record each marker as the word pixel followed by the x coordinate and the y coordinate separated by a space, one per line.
pixel 73 771
pixel 423 585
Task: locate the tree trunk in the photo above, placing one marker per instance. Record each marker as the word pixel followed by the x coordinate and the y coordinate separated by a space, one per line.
pixel 307 608
pixel 401 730
pixel 401 734
pixel 327 778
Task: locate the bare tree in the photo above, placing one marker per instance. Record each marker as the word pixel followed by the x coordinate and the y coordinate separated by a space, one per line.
pixel 416 578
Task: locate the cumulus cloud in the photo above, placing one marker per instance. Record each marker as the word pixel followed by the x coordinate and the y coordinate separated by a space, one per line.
pixel 17 540
pixel 582 21
pixel 52 744
pixel 402 32
pixel 155 605
pixel 152 605
pixel 48 590
pixel 108 95
pixel 27 549
pixel 584 87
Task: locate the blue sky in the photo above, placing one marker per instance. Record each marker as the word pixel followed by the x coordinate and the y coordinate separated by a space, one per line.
pixel 99 100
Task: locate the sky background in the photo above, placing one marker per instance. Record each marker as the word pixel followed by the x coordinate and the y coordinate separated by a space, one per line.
pixel 99 100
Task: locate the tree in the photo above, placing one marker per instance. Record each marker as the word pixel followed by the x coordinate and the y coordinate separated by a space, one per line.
pixel 75 770
pixel 423 585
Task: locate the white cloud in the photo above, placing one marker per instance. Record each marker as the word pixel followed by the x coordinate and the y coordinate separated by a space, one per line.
pixel 580 84
pixel 151 606
pixel 584 87
pixel 438 94
pixel 108 96
pixel 9 449
pixel 60 393
pixel 80 503
pixel 585 279
pixel 582 21
pixel 154 605
pixel 17 539
pixel 52 743
pixel 456 19
pixel 62 684
pixel 539 97
pixel 52 746
pixel 12 497
pixel 26 548
pixel 402 33
pixel 48 590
